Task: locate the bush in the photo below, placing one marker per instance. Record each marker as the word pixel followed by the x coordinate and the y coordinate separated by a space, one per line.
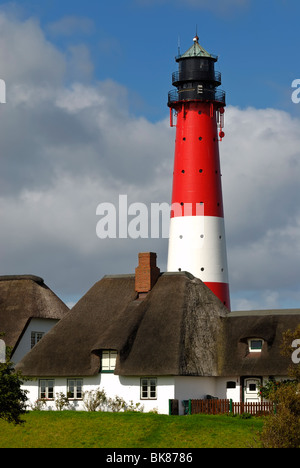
pixel 96 400
pixel 12 398
pixel 282 430
pixel 61 401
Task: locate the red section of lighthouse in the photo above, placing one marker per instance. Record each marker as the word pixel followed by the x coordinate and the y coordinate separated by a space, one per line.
pixel 197 234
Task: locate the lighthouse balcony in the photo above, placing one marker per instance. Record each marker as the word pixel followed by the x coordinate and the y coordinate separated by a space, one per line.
pixel 195 74
pixel 196 94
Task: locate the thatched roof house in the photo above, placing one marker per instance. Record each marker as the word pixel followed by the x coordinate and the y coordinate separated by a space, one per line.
pixel 157 337
pixel 179 327
pixel 23 298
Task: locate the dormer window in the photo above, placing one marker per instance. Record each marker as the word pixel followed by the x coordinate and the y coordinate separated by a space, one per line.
pixel 108 360
pixel 255 345
pixel 36 337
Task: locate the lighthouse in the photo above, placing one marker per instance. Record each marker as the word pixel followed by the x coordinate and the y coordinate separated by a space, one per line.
pixel 197 241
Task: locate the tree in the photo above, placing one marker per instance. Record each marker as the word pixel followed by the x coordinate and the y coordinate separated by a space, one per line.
pixel 12 398
pixel 282 429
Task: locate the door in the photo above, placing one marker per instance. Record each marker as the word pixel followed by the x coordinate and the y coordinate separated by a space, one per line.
pixel 251 389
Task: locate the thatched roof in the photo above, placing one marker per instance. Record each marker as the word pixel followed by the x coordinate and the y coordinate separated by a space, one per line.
pixel 179 328
pixel 175 330
pixel 268 325
pixel 22 298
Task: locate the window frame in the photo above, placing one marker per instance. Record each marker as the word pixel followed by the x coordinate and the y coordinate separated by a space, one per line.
pixel 146 395
pixel 34 338
pixel 76 387
pixel 255 349
pixel 112 360
pixel 47 386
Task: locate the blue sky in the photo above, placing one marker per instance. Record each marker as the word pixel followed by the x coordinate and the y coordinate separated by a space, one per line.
pixel 86 120
pixel 134 42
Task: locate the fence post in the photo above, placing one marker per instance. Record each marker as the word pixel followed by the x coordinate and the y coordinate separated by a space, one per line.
pixel 230 405
pixel 190 406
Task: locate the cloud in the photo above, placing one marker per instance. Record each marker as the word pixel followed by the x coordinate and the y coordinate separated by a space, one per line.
pixel 64 150
pixel 26 56
pixel 261 169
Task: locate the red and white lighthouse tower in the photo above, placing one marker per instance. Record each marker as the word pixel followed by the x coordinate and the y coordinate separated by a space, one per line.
pixel 197 235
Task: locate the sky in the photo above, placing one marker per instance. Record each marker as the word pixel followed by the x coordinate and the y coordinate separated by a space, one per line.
pixel 86 120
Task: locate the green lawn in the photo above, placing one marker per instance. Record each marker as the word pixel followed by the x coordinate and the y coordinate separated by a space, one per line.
pixel 68 429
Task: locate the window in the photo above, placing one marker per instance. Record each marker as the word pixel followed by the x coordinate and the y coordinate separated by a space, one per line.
pixel 46 389
pixel 75 388
pixel 108 361
pixel 36 337
pixel 230 384
pixel 148 389
pixel 255 345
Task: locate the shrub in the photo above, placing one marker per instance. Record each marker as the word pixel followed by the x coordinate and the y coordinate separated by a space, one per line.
pixel 282 430
pixel 38 405
pixel 61 401
pixel 12 398
pixel 94 400
pixel 117 404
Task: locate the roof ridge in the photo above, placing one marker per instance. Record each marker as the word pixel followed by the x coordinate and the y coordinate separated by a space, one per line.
pixel 36 279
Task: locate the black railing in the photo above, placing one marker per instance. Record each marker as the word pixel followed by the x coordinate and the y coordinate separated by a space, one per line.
pixel 190 95
pixel 196 75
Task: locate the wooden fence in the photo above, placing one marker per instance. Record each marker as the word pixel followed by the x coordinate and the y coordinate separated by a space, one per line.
pixel 215 406
pixel 210 406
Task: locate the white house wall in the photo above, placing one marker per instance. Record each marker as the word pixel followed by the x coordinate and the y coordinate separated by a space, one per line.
pixel 189 388
pixel 128 388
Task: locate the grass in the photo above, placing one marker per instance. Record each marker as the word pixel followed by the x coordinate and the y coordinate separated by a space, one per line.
pixel 68 429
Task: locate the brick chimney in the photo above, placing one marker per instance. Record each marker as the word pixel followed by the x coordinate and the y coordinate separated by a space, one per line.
pixel 147 273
